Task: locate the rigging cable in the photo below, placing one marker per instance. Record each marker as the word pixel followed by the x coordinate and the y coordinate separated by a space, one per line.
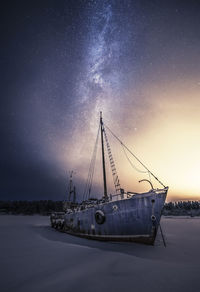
pixel 88 185
pixel 133 166
pixel 112 165
pixel 134 155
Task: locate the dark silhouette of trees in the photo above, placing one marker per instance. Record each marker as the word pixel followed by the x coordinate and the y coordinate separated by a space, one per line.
pixel 45 207
pixel 42 207
pixel 191 208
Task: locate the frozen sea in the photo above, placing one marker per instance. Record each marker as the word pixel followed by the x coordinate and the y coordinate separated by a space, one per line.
pixel 35 257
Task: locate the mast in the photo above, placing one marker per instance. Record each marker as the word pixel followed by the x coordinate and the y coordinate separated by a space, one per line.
pixel 103 158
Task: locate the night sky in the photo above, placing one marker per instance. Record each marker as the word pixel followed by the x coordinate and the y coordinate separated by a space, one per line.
pixel 62 62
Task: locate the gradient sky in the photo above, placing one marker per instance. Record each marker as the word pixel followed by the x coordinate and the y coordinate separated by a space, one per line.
pixel 64 61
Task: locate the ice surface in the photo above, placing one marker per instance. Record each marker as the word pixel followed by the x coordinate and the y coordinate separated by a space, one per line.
pixel 35 257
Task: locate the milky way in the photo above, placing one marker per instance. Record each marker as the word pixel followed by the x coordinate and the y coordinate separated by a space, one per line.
pixel 62 63
pixel 100 80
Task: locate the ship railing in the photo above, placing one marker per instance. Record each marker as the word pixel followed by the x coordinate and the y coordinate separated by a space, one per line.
pixel 156 191
pixel 165 189
pixel 121 196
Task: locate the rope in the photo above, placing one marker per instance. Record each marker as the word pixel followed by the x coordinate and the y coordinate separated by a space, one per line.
pixel 89 181
pixel 133 166
pixel 112 165
pixel 133 155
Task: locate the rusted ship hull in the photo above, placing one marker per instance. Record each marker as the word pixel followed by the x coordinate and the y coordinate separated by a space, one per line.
pixel 132 219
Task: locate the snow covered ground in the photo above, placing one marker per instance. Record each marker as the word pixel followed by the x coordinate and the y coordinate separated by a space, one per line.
pixel 35 257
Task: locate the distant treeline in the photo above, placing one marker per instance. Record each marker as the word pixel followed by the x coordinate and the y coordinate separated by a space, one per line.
pixel 45 207
pixel 191 208
pixel 30 207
